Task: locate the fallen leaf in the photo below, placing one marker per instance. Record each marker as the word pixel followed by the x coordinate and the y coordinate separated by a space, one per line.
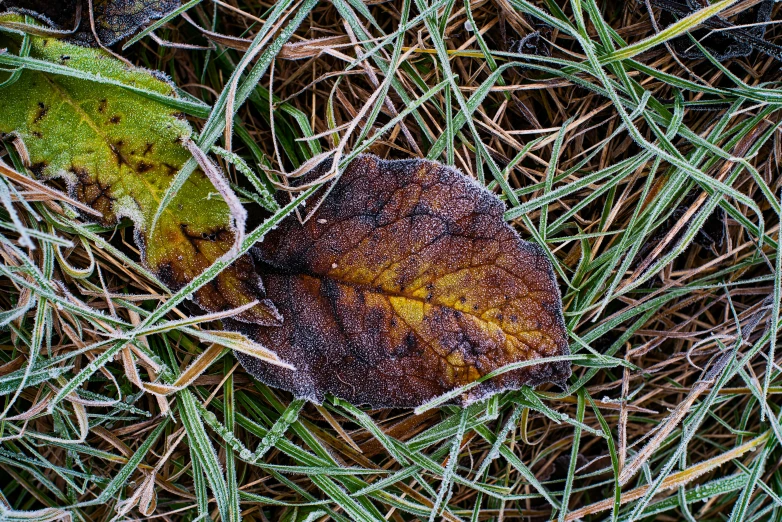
pixel 118 152
pixel 114 19
pixel 405 284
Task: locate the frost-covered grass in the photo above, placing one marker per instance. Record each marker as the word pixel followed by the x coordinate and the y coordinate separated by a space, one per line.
pixel 651 180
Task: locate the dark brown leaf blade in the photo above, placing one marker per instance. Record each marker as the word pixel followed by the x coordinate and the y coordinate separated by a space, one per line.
pixel 114 19
pixel 405 284
pixel 720 37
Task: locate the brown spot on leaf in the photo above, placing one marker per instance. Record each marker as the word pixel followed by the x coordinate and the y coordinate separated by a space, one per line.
pixel 94 193
pixel 115 119
pixel 103 105
pixel 116 149
pixel 41 113
pixel 351 331
pixel 38 168
pixel 143 167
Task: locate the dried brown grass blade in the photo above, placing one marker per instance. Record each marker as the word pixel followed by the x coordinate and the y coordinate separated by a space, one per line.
pixel 673 481
pixel 311 48
pixel 670 423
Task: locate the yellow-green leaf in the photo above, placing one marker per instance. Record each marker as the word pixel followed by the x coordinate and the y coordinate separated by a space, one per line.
pixel 118 152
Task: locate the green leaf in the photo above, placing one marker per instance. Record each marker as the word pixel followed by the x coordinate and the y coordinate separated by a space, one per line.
pixel 118 151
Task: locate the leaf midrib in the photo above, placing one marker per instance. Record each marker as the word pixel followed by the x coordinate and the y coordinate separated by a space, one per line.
pixel 276 270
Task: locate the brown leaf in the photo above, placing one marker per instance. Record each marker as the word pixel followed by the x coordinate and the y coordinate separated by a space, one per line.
pixel 114 19
pixel 406 283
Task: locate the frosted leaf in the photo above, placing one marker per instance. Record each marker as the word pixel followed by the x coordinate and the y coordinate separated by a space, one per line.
pixel 118 152
pixel 114 19
pixel 406 283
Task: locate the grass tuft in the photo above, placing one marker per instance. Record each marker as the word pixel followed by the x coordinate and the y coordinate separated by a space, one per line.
pixel 651 181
